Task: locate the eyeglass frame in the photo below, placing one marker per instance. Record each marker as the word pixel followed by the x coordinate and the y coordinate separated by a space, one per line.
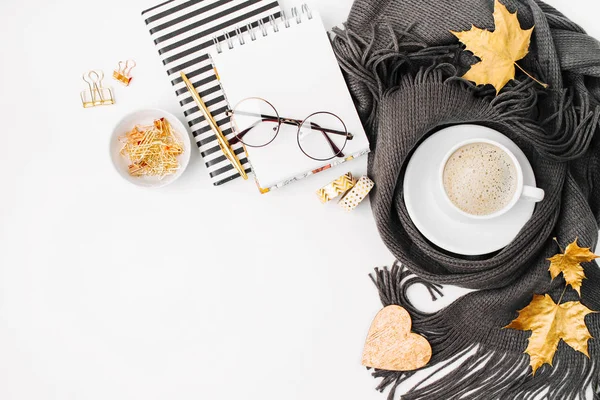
pixel 290 121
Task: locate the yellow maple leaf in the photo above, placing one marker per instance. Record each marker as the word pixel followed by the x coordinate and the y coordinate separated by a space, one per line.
pixel 498 50
pixel 569 264
pixel 549 323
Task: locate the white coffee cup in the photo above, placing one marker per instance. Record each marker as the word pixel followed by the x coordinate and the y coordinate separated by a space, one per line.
pixel 522 192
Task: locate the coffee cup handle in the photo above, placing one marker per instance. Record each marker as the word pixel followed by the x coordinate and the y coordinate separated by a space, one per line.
pixel 532 193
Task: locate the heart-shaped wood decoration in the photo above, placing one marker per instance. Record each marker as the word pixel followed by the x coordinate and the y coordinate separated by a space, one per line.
pixel 392 346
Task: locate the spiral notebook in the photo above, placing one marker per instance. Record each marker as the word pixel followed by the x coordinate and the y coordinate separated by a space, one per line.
pixel 290 63
pixel 183 31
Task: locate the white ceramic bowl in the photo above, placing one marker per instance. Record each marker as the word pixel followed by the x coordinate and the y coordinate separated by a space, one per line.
pixel 147 117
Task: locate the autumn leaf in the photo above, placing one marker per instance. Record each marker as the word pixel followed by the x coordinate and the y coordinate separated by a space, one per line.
pixel 549 323
pixel 498 50
pixel 569 264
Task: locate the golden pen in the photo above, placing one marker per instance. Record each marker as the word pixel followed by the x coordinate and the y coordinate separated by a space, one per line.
pixel 223 143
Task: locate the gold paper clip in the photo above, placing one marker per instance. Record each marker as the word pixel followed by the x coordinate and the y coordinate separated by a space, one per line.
pixel 123 74
pixel 96 95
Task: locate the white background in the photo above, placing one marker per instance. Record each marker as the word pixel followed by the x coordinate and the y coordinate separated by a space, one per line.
pixel 110 291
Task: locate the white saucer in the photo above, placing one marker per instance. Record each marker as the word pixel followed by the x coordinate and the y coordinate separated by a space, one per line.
pixel 452 233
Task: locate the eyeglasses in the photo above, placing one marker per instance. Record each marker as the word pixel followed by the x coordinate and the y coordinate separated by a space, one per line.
pixel 321 136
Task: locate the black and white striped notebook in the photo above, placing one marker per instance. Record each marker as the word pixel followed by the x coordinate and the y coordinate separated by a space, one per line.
pixel 183 31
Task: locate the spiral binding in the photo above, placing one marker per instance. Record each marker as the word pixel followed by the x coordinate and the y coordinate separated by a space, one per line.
pixel 250 31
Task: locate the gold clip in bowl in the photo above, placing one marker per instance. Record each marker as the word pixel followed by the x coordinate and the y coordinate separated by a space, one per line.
pixel 96 95
pixel 123 73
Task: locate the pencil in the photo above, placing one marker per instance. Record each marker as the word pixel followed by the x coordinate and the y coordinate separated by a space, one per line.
pixel 221 139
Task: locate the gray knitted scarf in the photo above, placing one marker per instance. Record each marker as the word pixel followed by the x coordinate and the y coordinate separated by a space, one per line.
pixel 403 66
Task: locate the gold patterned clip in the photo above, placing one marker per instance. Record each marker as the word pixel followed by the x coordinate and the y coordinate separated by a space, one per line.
pixel 123 72
pixel 96 95
pixel 357 194
pixel 340 186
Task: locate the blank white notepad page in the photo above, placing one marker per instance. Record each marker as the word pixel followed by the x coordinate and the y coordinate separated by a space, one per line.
pixel 294 69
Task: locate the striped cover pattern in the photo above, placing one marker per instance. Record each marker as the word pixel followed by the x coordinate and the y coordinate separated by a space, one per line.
pixel 183 31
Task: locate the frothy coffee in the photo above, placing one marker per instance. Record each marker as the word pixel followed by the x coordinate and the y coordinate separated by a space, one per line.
pixel 480 178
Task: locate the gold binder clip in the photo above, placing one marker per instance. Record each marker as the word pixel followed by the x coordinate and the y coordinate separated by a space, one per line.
pixel 96 95
pixel 123 74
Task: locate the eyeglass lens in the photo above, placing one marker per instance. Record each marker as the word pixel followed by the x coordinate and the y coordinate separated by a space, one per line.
pixel 256 122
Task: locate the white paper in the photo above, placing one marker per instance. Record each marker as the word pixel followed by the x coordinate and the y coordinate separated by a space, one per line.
pixel 294 69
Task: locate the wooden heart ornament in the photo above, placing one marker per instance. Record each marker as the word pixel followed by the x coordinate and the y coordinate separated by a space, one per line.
pixel 392 346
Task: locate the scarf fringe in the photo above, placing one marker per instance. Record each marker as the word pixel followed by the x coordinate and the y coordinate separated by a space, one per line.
pixel 460 370
pixel 564 135
pixel 381 69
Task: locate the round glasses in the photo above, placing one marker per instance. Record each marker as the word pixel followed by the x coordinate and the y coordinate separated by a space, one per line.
pixel 320 136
